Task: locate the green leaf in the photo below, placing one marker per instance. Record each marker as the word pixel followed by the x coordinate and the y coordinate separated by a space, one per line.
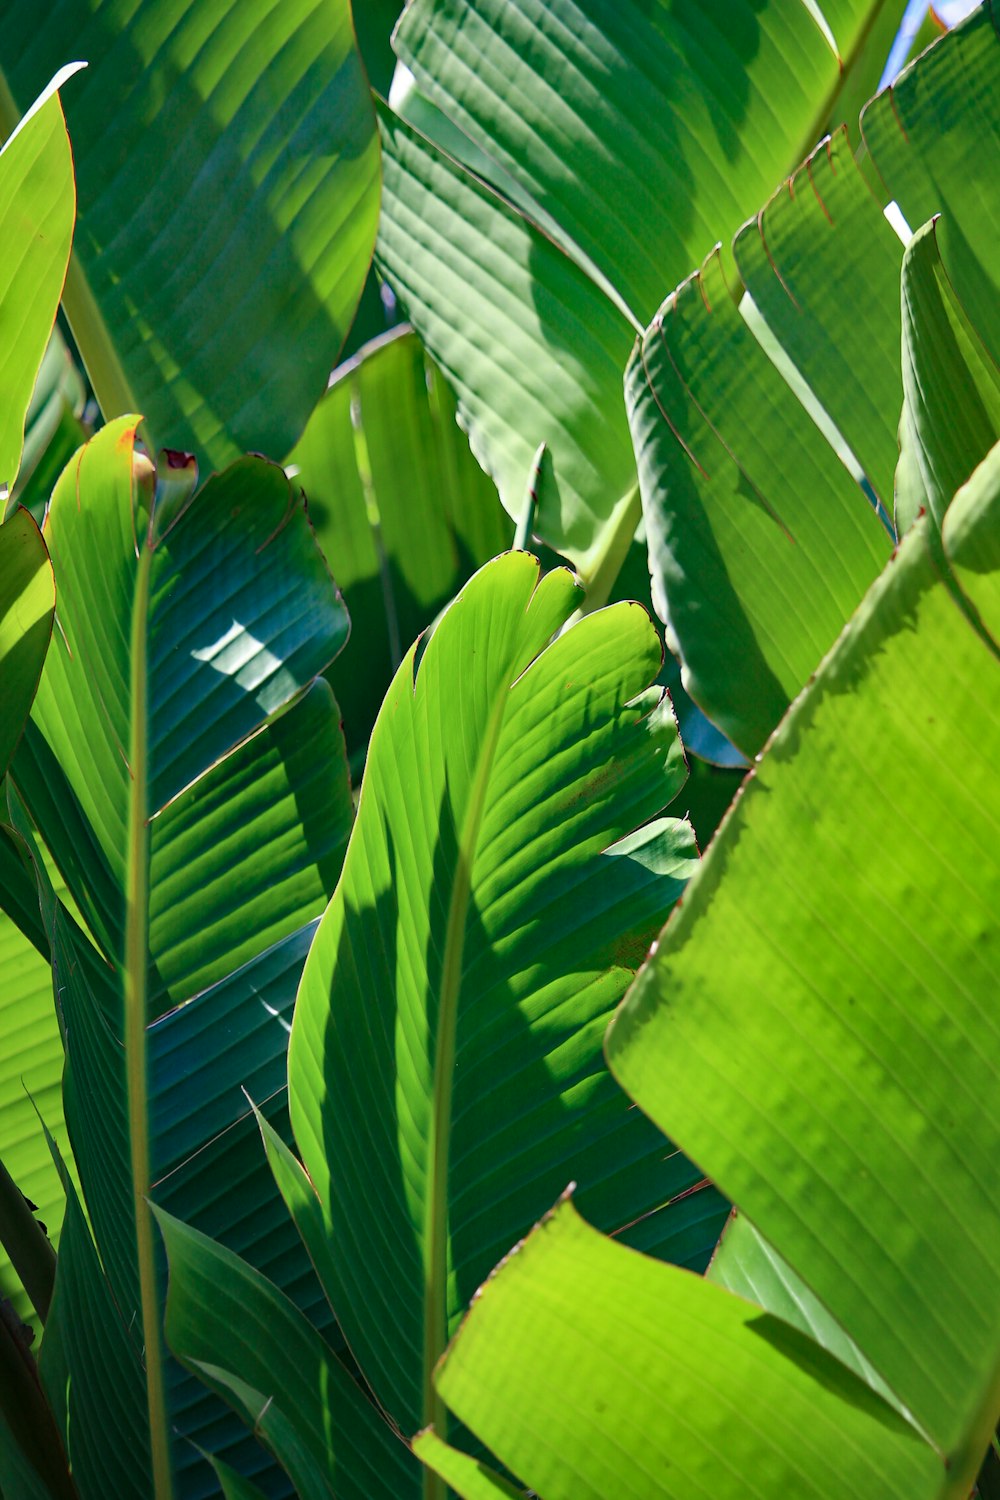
pixel 645 132
pixel 951 410
pixel 532 348
pixel 933 138
pixel 234 1486
pixel 468 1477
pixel 827 1060
pixel 972 542
pixel 92 1370
pixel 32 1061
pixel 748 1266
pixel 592 1371
pixel 445 1075
pixel 37 206
pixel 190 781
pixel 399 503
pixel 754 573
pixel 822 265
pixel 27 607
pixel 53 428
pixel 232 1325
pixel 227 169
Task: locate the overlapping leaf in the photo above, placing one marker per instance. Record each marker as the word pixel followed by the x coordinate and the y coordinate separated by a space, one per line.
pixel 761 543
pixel 951 411
pixel 444 1069
pixel 227 168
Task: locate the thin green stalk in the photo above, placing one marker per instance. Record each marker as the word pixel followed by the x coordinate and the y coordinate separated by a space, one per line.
pixel 605 563
pixel 436 1209
pixel 136 1063
pixel 97 350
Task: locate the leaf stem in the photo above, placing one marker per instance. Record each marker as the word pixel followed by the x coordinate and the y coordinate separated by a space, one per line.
pixel 436 1228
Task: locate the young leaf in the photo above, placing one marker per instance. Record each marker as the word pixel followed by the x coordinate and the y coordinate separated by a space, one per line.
pixel 445 1075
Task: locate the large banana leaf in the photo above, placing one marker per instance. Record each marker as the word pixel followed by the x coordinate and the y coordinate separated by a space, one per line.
pixel 227 173
pixel 829 1063
pixel 592 1371
pixel 398 500
pixel 445 1076
pixel 760 545
pixel 37 207
pixel 625 137
pixel 191 787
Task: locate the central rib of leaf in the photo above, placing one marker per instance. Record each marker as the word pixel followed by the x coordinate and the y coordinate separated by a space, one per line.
pixel 436 1227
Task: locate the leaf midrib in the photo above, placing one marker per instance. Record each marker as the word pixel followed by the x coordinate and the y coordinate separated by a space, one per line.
pixel 436 1228
pixel 135 984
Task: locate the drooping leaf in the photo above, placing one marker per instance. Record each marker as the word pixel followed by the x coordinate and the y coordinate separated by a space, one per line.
pixel 827 1064
pixel 444 1069
pixel 761 544
pixel 189 778
pixel 227 171
pixel 37 207
pixel 254 1346
pixel 401 505
pixel 53 429
pixel 593 1371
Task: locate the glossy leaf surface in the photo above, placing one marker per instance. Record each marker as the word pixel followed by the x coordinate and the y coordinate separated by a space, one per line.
pixel 647 132
pixel 533 349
